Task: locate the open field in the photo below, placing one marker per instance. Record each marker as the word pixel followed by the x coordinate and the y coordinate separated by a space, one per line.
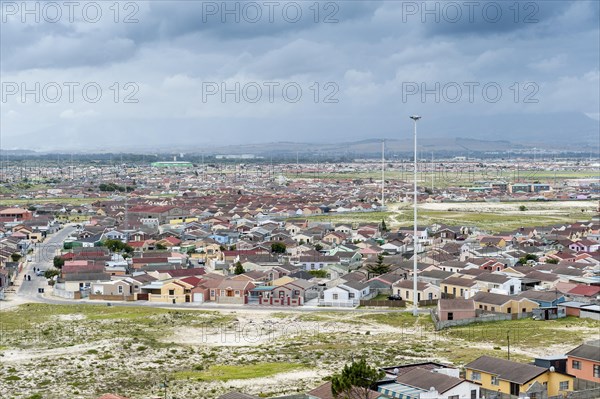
pixel 82 351
pixel 451 178
pixel 497 217
pixel 349 217
pixel 492 216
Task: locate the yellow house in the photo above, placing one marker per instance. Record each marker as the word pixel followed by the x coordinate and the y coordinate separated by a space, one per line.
pixel 459 287
pixel 501 303
pixel 513 378
pixel 174 291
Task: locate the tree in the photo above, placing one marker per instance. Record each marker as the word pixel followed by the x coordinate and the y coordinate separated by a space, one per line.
pixel 278 248
pixel 378 268
pixel 160 246
pixel 318 273
pixel 318 247
pixel 15 257
pixel 383 226
pixel 355 380
pixel 523 260
pixel 58 262
pixel 522 208
pixel 553 261
pixel 51 273
pixel 118 246
pixel 239 269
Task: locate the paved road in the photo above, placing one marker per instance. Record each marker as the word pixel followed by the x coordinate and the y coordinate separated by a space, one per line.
pixel 41 259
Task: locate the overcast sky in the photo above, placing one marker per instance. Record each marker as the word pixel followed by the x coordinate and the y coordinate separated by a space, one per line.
pixel 162 67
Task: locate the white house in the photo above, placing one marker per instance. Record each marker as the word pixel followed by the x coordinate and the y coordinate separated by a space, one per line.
pixel 338 296
pixel 498 284
pixel 347 294
pixel 421 383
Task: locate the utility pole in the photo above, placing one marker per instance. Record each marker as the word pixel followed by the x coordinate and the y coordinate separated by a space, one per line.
pixel 415 118
pixel 382 173
pixel 432 172
pixel 508 342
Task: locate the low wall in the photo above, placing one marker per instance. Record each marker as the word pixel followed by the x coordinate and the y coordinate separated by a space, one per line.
pixel 66 294
pixel 383 302
pixel 96 297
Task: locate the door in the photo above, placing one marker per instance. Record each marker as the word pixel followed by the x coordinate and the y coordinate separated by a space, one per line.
pixel 198 297
pixel 514 389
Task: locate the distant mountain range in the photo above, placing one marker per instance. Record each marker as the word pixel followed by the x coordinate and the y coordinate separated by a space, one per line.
pixel 456 133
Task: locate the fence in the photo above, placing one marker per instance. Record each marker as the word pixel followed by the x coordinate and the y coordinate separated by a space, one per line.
pixel 383 302
pixel 348 304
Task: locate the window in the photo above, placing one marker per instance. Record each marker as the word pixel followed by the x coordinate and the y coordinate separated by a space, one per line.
pixel 576 364
pixel 120 289
pixel 212 293
pixel 406 294
pixel 335 297
pixel 493 308
pixel 454 291
pixel 508 310
pixel 351 295
pixel 450 316
pixel 473 393
pixel 494 380
pixel 454 397
pixel 171 292
pixel 563 386
pixel 475 375
pixel 596 370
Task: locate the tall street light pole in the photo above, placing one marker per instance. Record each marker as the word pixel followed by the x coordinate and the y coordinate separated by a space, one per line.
pixel 415 118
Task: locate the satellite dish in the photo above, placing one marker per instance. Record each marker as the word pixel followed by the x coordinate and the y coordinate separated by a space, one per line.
pixel 431 389
pixel 552 369
pixel 396 371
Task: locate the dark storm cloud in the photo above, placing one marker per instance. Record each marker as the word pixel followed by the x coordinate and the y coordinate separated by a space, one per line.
pixel 369 50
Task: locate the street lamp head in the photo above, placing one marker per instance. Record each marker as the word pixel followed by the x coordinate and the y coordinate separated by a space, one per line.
pixel 415 117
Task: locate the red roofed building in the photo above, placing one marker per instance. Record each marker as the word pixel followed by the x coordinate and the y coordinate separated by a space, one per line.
pixel 15 215
pixel 589 291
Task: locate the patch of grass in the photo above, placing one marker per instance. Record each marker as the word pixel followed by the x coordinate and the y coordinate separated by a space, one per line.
pixel 529 333
pixel 238 372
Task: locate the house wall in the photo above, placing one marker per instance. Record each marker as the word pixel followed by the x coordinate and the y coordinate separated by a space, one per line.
pixel 467 292
pixel 515 307
pixel 587 369
pixel 456 314
pixel 407 293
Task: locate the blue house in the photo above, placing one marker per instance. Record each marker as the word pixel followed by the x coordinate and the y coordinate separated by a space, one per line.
pixel 546 299
pixel 220 238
